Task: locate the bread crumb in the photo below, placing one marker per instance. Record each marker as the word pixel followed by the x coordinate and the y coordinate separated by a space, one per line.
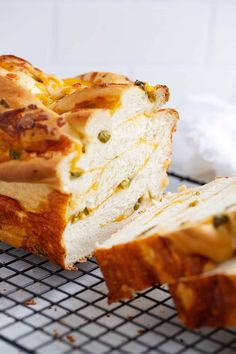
pixel 71 339
pixel 55 333
pixel 129 318
pixel 30 302
pixel 141 330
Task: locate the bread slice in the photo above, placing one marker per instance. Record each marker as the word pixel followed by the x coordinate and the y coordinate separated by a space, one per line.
pixel 78 158
pixel 208 299
pixel 185 234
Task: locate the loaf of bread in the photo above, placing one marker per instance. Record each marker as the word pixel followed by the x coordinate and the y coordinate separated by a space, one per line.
pixel 80 157
pixel 185 234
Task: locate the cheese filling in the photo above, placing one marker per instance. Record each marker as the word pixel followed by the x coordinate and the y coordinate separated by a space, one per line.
pixel 198 207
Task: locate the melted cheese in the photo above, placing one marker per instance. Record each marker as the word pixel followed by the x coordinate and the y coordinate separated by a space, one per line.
pixel 47 88
pixel 74 163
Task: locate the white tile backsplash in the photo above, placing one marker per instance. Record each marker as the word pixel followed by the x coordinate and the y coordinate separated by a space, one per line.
pixel 224 43
pixel 187 44
pixel 132 32
pixel 26 29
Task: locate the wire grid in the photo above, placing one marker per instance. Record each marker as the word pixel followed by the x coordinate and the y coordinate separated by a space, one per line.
pixel 44 308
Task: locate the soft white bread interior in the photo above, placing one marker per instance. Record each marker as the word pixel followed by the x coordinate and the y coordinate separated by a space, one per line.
pixel 126 173
pixel 186 233
pixel 208 299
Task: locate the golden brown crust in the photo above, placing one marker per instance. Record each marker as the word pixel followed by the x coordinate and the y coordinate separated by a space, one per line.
pixel 140 264
pixel 170 111
pixel 106 96
pixel 16 102
pixel 96 96
pixel 15 96
pixel 100 77
pixel 32 138
pixel 145 261
pixel 16 122
pixel 31 146
pixel 13 58
pixel 206 300
pixel 166 91
pixel 13 65
pixel 36 170
pixel 32 130
pixel 40 231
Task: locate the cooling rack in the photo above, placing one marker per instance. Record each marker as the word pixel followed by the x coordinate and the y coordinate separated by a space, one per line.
pixel 45 309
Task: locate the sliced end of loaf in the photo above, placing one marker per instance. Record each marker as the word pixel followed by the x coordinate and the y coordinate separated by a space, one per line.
pixel 138 153
pixel 175 238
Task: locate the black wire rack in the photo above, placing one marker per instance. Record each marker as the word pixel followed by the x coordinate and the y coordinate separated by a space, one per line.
pixel 45 309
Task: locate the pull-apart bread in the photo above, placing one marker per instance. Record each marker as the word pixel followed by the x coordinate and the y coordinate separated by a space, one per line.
pixel 79 157
pixel 185 234
pixel 208 299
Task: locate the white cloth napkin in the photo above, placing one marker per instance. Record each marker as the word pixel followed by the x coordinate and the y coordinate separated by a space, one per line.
pixel 205 141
